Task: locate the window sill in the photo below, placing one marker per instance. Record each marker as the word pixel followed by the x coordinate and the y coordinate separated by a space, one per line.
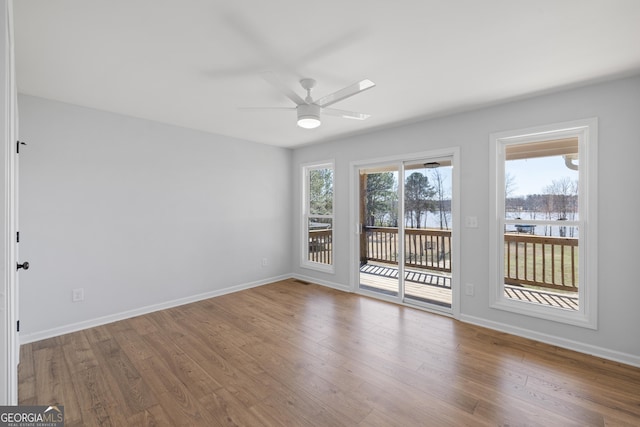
pixel 559 315
pixel 325 268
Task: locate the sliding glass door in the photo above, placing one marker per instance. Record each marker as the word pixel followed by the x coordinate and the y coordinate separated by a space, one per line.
pixel 427 231
pixel 405 226
pixel 379 242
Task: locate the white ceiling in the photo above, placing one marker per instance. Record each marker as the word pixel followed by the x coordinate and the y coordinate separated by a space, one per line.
pixel 194 63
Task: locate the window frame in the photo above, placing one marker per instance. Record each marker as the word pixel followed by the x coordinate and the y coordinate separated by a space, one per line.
pixel 586 131
pixel 306 216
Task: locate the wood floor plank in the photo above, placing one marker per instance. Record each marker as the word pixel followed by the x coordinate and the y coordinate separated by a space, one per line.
pixel 249 387
pixel 97 334
pixel 153 416
pixel 276 415
pixel 49 374
pixel 174 396
pixel 182 366
pixel 296 376
pixel 27 389
pixel 135 392
pixel 227 410
pixel 306 355
pixel 54 385
pixel 134 345
pixel 78 353
pixel 97 404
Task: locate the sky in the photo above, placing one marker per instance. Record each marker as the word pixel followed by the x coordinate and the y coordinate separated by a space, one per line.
pixel 531 176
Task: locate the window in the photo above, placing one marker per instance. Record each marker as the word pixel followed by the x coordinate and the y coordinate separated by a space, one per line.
pixel 544 233
pixel 317 217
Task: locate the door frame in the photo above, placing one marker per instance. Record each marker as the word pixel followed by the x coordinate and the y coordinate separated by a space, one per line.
pixel 354 220
pixel 9 340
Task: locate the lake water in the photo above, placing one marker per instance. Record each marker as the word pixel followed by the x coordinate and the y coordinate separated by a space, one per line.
pixel 433 221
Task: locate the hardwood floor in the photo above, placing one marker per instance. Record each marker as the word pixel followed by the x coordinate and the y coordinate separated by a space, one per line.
pixel 305 355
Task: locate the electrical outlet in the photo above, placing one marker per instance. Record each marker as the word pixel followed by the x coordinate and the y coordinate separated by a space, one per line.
pixel 265 262
pixel 77 295
pixel 469 289
pixel 471 222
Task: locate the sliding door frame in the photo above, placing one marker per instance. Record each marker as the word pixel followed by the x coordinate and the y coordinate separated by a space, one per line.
pixel 355 228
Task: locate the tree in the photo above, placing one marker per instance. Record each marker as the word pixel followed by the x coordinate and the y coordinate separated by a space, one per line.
pixel 564 193
pixel 534 204
pixel 418 194
pixel 441 194
pixel 510 186
pixel 381 199
pixel 563 200
pixel 321 191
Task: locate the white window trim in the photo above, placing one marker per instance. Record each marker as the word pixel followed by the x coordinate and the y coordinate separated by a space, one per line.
pixel 587 132
pixel 304 243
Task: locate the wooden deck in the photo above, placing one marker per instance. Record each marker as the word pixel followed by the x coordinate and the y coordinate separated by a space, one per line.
pixel 435 288
pixel 554 299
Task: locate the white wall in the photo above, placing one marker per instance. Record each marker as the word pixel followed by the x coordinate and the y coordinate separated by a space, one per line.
pixel 617 106
pixel 141 215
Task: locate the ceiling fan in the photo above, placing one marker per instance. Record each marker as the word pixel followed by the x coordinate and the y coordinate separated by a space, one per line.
pixel 308 110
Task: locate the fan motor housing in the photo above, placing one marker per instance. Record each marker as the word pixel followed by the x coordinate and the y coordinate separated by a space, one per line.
pixel 308 115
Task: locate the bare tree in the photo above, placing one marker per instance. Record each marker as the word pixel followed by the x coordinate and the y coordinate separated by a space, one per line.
pixel 510 187
pixel 563 201
pixel 441 193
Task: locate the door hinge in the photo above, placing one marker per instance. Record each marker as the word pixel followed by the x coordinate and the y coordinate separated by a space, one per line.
pixel 18 326
pixel 18 144
pixel 17 237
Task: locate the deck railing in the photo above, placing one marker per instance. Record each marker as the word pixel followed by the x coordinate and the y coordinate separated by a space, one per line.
pixel 547 262
pixel 425 247
pixel 320 242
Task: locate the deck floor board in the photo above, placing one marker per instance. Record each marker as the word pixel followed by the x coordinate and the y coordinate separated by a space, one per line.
pixel 435 287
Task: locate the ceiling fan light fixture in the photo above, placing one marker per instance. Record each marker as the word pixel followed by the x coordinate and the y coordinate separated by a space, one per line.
pixel 308 116
pixel 308 122
pixel 308 110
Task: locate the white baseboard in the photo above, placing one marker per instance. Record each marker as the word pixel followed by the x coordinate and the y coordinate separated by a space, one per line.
pixel 616 356
pixel 333 285
pixel 74 327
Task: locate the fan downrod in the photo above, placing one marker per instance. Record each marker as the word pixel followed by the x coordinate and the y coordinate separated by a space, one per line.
pixel 308 84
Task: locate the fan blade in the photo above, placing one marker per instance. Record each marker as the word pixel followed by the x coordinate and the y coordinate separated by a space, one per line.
pixel 267 108
pixel 345 114
pixel 348 91
pixel 337 43
pixel 265 54
pixel 272 79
